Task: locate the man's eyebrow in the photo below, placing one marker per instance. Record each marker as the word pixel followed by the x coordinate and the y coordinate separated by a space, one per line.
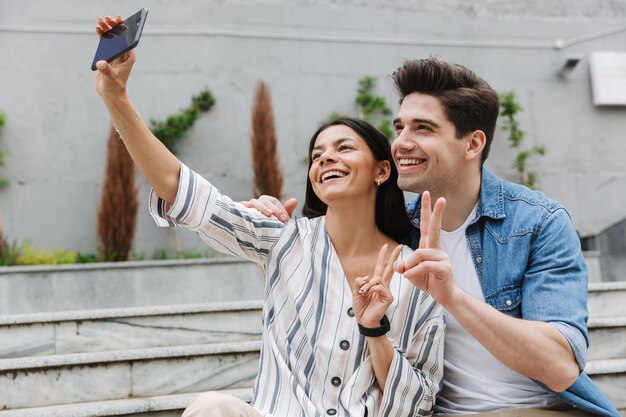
pixel 335 143
pixel 416 121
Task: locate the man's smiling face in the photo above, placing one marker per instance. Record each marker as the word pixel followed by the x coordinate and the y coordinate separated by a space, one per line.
pixel 426 151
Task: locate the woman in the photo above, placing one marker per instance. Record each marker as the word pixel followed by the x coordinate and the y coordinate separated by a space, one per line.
pixel 343 335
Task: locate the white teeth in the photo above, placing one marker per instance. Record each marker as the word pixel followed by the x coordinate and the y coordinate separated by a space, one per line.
pixel 404 161
pixel 333 174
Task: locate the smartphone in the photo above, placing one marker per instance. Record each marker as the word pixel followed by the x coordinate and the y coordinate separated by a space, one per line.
pixel 120 39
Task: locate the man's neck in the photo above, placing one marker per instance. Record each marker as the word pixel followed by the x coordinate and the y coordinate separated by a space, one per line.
pixel 460 202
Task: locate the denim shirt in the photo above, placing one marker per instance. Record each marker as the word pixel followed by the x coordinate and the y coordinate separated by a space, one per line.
pixel 529 263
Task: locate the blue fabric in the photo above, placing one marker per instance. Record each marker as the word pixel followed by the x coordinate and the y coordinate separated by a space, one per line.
pixel 530 265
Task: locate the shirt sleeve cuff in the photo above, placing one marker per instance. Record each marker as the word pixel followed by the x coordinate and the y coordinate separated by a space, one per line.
pixel 576 341
pixel 170 215
pixel 404 393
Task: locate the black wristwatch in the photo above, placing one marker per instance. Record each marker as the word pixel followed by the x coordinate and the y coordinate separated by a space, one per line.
pixel 379 331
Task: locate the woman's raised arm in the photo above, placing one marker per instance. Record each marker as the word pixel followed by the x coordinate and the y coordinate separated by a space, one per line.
pixel 160 167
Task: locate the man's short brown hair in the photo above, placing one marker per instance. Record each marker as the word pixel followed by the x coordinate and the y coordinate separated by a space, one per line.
pixel 468 101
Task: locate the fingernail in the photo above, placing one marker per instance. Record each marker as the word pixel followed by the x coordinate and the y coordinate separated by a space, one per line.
pixel 284 217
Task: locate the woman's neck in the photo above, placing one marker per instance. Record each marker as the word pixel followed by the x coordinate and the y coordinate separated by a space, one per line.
pixel 352 229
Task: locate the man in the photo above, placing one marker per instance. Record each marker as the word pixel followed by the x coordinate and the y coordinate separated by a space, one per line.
pixel 506 264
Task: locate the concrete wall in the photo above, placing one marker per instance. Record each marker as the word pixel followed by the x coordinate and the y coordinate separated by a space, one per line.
pixel 612 246
pixel 40 289
pixel 311 53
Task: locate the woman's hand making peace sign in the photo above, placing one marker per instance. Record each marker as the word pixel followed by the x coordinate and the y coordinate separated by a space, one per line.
pixel 371 295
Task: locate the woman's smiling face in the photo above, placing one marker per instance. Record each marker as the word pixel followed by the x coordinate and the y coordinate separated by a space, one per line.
pixel 342 165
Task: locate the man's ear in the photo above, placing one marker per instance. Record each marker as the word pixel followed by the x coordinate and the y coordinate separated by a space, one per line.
pixel 476 142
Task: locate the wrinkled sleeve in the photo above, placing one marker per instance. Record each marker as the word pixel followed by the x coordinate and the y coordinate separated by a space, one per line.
pixel 415 377
pixel 555 284
pixel 222 224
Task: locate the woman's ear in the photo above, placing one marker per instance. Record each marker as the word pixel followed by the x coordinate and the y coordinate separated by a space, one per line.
pixel 383 171
pixel 475 144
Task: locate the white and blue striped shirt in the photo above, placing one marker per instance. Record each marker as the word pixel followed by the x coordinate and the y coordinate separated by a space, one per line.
pixel 313 361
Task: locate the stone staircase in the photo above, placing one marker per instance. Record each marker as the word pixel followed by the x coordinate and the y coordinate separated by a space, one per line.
pixel 607 337
pixel 152 360
pixel 126 361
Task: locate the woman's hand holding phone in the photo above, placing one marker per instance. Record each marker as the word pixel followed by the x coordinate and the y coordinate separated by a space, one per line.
pixel 160 167
pixel 107 23
pixel 111 78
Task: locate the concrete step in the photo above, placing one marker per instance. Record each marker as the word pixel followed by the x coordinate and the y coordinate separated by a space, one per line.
pixel 39 289
pixel 607 339
pixel 128 328
pixel 102 376
pixel 604 373
pixel 593 261
pixel 607 299
pixel 610 375
pixel 36 289
pixel 158 406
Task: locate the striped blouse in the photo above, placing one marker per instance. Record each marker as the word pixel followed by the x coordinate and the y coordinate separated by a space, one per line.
pixel 313 361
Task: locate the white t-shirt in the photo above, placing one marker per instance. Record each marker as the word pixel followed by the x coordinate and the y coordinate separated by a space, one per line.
pixel 474 380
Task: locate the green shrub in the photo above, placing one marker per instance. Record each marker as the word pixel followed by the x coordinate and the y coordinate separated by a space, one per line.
pixel 9 252
pixel 163 254
pixel 31 256
pixel 373 108
pixel 176 126
pixel 3 154
pixel 370 107
pixel 509 108
pixel 137 256
pixel 191 254
pixel 86 258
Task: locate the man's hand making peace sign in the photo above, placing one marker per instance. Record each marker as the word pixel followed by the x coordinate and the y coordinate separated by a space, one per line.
pixel 429 267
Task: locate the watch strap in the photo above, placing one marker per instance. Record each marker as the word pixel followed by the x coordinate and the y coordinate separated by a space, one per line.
pixel 378 331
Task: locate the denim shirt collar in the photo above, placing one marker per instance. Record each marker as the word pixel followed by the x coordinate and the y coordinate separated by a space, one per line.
pixel 490 204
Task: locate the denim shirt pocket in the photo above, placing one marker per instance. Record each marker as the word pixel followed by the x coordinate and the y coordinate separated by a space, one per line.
pixel 507 300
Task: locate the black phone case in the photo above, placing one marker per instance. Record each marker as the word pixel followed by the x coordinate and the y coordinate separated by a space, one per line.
pixel 137 21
